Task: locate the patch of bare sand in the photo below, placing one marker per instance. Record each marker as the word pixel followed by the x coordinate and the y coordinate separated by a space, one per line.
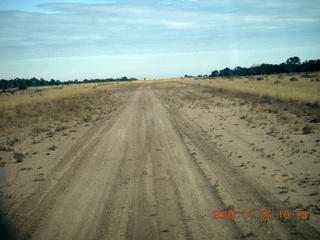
pixel 268 147
pixel 42 148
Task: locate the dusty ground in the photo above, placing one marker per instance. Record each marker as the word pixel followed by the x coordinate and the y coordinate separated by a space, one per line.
pixel 159 166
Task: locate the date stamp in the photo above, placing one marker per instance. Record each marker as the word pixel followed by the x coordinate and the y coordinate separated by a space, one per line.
pixel 262 214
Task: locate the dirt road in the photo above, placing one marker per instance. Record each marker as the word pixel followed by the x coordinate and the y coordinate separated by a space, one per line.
pixel 152 173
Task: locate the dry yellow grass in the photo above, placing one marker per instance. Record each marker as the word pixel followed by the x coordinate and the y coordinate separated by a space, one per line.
pixel 50 93
pixel 303 90
pixel 297 93
pixel 168 83
pixel 59 103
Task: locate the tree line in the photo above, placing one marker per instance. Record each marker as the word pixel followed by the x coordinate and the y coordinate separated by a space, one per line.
pixel 22 83
pixel 293 64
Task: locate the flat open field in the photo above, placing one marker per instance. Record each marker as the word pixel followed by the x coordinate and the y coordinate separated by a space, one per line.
pixel 173 159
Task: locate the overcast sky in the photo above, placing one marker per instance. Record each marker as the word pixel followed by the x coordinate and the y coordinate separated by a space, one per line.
pixel 77 39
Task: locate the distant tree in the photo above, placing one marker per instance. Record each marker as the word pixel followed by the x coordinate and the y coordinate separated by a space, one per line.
pixel 3 84
pixel 293 64
pixel 294 60
pixel 227 72
pixel 281 68
pixel 43 82
pixel 53 82
pixel 34 82
pixel 214 73
pixel 238 71
pixel 311 65
pixel 22 85
pixel 251 71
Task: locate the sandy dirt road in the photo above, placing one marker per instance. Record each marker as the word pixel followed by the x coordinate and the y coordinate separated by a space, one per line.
pixel 150 173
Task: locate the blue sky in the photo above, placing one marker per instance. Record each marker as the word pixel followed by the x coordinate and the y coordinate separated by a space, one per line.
pixel 77 39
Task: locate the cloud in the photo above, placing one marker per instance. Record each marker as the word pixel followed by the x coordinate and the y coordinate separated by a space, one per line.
pixel 120 27
pixel 91 28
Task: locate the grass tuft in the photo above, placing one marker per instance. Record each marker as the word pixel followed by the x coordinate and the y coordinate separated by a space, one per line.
pixel 307 130
pixel 19 156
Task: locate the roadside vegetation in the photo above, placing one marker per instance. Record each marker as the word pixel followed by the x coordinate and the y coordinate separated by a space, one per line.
pixel 292 65
pixel 85 102
pixel 12 85
pixel 295 93
pixel 294 88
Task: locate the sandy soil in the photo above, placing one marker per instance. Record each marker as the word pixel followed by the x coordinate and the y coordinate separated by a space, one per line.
pixel 153 169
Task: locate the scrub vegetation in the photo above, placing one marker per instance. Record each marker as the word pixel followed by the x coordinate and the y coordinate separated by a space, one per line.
pixel 83 102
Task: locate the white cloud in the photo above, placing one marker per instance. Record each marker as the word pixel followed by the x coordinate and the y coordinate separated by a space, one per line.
pixel 76 28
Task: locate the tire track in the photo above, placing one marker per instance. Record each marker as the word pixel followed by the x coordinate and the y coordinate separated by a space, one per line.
pixel 236 191
pixel 128 214
pixel 149 175
pixel 191 199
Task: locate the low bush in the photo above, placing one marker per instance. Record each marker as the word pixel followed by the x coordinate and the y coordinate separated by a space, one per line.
pixel 19 156
pixel 293 79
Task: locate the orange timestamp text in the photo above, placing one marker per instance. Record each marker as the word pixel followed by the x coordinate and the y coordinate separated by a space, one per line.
pixel 262 214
